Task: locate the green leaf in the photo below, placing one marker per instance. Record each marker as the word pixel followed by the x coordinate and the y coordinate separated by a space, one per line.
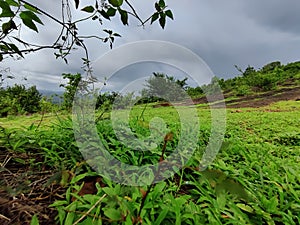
pixel 221 200
pixel 245 207
pixel 6 11
pixel 162 3
pixel 88 9
pixel 6 27
pixel 12 3
pixel 154 17
pixel 162 20
pixel 116 3
pixel 169 14
pixel 30 24
pixel 34 220
pixel 4 48
pixel 159 187
pixel 31 8
pixel 161 216
pixel 71 214
pixel 124 16
pixel 109 191
pixel 81 176
pixel 113 214
pixel 59 203
pixel 111 12
pixel 30 15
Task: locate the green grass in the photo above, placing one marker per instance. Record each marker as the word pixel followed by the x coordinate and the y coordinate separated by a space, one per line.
pixel 253 180
pixel 24 121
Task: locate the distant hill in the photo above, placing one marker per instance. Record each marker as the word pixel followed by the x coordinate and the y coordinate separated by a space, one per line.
pixel 56 96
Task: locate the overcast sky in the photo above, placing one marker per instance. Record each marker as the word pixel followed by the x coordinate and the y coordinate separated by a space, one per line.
pixel 222 33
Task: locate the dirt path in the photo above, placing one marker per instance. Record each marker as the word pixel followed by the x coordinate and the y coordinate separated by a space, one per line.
pixel 253 101
pixel 265 99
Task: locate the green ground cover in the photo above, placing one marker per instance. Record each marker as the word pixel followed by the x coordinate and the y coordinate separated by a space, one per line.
pixel 253 180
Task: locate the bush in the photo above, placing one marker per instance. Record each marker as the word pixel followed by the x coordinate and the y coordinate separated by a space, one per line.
pixel 18 100
pixel 243 90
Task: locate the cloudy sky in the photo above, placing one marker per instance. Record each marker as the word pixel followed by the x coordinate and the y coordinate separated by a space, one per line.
pixel 221 33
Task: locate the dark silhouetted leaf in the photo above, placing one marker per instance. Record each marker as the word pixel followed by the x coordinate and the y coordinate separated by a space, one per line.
pixel 108 31
pixel 162 20
pixel 6 27
pixel 14 48
pixel 116 3
pixel 104 14
pixel 76 3
pixel 117 35
pixel 23 42
pixel 124 16
pixel 169 14
pixel 154 17
pixel 88 9
pixel 157 7
pixel 162 3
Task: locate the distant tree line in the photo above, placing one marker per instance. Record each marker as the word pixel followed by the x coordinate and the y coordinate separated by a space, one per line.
pixel 19 99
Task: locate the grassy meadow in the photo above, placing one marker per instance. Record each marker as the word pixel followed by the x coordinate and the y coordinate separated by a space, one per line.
pixel 253 180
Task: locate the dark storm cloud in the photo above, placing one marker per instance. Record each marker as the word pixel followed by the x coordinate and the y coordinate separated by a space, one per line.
pixel 275 14
pixel 222 33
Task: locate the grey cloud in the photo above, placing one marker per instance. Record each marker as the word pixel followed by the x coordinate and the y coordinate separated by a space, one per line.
pixel 275 14
pixel 222 33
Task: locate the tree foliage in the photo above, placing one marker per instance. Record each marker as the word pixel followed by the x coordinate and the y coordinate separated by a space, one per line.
pixel 70 88
pixel 16 15
pixel 163 87
pixel 18 100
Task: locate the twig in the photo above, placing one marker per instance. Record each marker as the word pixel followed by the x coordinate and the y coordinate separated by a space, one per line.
pixel 84 215
pixel 4 217
pixel 134 13
pixel 167 138
pixel 6 160
pixel 41 120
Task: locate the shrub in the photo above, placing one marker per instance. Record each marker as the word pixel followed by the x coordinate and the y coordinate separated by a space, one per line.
pixel 18 100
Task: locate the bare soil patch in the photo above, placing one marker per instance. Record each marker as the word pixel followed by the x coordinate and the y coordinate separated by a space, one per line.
pixel 25 191
pixel 253 101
